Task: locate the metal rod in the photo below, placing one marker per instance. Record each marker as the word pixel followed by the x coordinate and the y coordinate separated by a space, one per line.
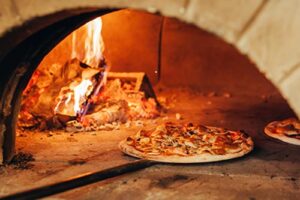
pixel 158 69
pixel 79 181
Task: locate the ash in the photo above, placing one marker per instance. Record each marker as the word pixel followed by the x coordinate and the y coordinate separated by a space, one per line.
pixel 22 161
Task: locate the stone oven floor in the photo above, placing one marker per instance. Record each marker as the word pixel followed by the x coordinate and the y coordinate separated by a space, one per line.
pixel 271 171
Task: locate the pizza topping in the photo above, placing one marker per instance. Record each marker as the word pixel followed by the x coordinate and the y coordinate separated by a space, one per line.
pixel 289 127
pixel 188 140
pixel 219 151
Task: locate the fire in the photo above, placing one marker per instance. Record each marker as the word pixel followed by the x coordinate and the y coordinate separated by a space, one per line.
pixel 93 57
pixel 93 44
pixel 72 97
pixel 80 93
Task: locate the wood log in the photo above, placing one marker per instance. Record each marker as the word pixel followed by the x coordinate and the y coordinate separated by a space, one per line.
pixel 51 83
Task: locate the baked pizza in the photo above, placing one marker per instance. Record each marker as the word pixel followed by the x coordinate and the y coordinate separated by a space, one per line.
pixel 287 130
pixel 187 143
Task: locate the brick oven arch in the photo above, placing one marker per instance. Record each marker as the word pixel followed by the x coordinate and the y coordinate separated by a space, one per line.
pixel 255 28
pixel 241 26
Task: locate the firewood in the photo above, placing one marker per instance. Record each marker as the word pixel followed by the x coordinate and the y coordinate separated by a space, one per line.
pixel 50 83
pixel 139 80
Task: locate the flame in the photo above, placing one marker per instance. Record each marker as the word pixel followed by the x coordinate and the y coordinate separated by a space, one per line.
pixel 90 53
pixel 80 94
pixel 72 97
pixel 93 44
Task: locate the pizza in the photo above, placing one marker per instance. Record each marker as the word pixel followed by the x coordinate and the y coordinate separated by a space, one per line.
pixel 187 143
pixel 287 130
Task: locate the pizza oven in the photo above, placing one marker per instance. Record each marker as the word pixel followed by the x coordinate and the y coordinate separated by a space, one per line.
pixel 233 65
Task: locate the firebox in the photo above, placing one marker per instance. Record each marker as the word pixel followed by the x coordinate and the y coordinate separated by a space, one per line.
pixel 83 80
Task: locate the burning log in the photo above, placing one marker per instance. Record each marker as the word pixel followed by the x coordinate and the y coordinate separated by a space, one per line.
pixel 120 100
pixel 72 96
pixel 75 90
pixel 48 93
pixel 113 112
pixel 59 94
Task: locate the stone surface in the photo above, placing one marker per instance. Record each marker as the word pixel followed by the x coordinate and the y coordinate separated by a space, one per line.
pixel 224 18
pixel 272 41
pixel 290 89
pixel 271 162
pixel 9 16
pixel 151 183
pixel 29 9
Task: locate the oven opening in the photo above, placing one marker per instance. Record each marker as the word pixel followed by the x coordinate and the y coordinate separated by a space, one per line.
pixel 80 92
pixel 101 78
pixel 129 70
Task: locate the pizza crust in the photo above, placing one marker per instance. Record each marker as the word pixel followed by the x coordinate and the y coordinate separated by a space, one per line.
pixel 203 158
pixel 281 137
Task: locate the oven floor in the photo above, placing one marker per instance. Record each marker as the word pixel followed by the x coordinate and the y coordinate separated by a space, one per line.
pixel 271 171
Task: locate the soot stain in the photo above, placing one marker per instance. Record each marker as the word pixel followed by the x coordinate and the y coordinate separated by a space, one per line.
pixel 22 161
pixel 168 181
pixel 77 161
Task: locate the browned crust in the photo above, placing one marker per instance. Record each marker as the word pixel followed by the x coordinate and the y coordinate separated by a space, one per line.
pixel 281 137
pixel 203 158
